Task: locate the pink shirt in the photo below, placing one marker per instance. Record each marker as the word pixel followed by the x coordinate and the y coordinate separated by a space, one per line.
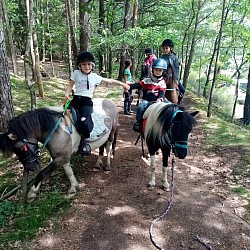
pixel 149 60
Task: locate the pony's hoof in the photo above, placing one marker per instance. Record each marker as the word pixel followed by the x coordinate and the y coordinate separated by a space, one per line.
pixel 96 169
pixel 165 188
pixel 151 188
pixel 108 168
pixel 30 199
pixel 107 171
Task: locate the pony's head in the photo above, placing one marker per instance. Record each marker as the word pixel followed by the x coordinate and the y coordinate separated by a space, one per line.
pixel 26 150
pixel 21 136
pixel 179 129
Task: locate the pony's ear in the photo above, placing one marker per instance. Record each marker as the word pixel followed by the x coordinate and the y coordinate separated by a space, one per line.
pixel 194 113
pixel 12 136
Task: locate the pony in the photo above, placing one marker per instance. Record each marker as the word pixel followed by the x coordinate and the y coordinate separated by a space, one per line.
pixel 171 84
pixel 57 132
pixel 166 127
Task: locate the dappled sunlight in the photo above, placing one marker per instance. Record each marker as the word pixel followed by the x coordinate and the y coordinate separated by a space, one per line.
pixel 118 210
pixel 49 241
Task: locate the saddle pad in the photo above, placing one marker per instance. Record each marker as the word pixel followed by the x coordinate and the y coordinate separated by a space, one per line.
pixel 102 123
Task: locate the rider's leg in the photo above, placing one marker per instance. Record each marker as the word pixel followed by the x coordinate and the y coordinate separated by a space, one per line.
pixel 85 127
pixel 139 115
pixel 182 92
pixel 130 101
pixel 126 103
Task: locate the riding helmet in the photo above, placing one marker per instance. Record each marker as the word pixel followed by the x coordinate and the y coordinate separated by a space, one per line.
pixel 148 51
pixel 168 42
pixel 159 64
pixel 85 56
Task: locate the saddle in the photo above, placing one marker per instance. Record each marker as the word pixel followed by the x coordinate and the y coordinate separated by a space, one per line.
pixel 102 122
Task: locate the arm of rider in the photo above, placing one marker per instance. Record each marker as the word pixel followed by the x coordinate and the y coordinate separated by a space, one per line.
pixel 68 90
pixel 113 81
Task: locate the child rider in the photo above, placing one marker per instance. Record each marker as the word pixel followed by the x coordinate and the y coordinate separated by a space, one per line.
pixel 85 82
pixel 153 88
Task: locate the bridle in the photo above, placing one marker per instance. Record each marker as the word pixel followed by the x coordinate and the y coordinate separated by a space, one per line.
pixel 36 154
pixel 179 144
pixel 31 154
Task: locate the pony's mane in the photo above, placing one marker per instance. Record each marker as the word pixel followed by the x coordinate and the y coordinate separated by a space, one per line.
pixel 167 112
pixel 159 121
pixel 42 120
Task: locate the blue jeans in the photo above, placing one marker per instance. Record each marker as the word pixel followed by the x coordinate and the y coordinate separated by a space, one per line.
pixel 140 110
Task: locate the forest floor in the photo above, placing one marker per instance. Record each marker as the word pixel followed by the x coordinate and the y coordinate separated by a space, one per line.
pixel 114 211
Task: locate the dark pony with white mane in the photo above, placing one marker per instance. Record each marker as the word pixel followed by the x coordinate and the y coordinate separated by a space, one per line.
pixel 167 127
pixel 50 126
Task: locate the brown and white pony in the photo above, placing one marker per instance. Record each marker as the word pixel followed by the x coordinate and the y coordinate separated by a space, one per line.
pixel 171 85
pixel 49 126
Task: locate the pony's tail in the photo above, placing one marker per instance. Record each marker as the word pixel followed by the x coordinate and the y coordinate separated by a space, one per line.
pixel 114 142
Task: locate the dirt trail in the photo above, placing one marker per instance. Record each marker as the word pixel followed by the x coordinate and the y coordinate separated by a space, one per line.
pixel 114 211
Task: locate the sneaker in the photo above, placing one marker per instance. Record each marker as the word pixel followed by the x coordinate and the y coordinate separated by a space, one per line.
pixel 85 148
pixel 137 127
pixel 126 113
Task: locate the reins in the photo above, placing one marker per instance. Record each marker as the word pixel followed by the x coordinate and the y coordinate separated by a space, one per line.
pixel 56 126
pixel 37 154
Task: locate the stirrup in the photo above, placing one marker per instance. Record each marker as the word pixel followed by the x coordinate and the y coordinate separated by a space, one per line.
pixel 137 127
pixel 85 148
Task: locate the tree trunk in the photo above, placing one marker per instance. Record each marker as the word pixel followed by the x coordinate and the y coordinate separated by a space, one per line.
pixel 123 48
pixel 191 52
pixel 27 62
pixel 84 25
pixel 37 67
pixel 100 31
pixel 10 38
pixel 236 96
pixel 246 116
pixel 210 69
pixel 209 110
pixel 70 61
pixel 72 34
pixel 6 105
pixel 134 24
pixel 50 44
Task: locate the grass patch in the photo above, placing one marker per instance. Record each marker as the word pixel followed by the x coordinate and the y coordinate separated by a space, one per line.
pixel 114 94
pixel 19 223
pixel 241 191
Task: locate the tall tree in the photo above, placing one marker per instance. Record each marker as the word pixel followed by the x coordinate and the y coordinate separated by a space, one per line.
pixel 216 65
pixel 246 116
pixel 123 47
pixel 84 21
pixel 29 45
pixel 71 28
pixel 6 105
pixel 10 37
pixel 100 31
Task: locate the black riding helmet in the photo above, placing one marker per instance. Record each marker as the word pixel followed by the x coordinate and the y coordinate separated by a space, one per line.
pixel 168 42
pixel 148 51
pixel 85 56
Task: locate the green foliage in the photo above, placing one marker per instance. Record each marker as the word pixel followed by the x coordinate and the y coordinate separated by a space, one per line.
pixel 114 94
pixel 25 221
